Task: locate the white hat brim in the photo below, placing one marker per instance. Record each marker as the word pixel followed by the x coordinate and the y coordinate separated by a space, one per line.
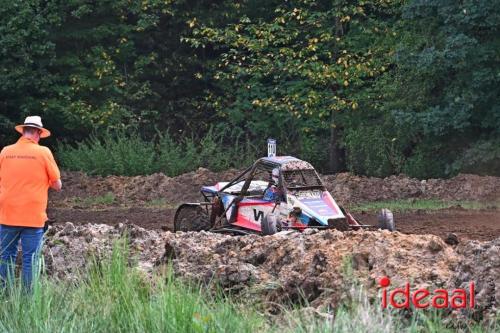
pixel 45 132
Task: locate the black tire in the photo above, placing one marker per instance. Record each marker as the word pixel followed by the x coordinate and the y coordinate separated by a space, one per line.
pixel 339 224
pixel 386 220
pixel 191 217
pixel 269 225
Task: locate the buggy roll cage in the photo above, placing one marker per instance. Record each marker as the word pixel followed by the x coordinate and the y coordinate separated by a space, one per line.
pixel 268 164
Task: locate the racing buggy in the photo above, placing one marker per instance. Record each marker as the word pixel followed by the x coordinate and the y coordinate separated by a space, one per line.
pixel 275 193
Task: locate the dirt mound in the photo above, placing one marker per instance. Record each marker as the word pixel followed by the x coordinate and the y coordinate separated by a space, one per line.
pixel 346 188
pixel 67 247
pixel 139 189
pixel 480 263
pixel 320 267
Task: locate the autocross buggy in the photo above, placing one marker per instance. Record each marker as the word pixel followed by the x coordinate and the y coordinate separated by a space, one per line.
pixel 274 194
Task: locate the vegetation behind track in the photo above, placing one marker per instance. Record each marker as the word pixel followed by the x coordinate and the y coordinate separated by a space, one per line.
pixel 377 87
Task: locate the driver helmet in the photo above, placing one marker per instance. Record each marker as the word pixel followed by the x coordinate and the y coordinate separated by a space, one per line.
pixel 275 175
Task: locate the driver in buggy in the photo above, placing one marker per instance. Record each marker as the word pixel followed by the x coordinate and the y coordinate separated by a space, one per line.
pixel 272 192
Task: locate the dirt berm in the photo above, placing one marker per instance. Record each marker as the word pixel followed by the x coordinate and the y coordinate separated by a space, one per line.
pixel 346 188
pixel 289 267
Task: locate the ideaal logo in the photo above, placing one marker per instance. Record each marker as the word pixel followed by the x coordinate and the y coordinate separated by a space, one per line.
pixel 423 298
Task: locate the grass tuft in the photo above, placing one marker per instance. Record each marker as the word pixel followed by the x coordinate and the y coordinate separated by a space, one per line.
pixel 101 200
pixel 422 204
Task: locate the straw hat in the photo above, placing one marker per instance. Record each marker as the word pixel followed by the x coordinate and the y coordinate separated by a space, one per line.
pixel 36 122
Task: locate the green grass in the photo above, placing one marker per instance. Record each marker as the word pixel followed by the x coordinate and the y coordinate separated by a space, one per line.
pixel 160 203
pixel 101 200
pixel 422 204
pixel 114 297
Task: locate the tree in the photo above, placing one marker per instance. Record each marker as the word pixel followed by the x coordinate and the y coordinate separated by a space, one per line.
pixel 297 67
pixel 446 91
pixel 26 54
pixel 87 66
pixel 122 64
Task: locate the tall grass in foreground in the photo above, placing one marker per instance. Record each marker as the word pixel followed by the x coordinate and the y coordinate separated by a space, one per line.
pixel 127 154
pixel 114 297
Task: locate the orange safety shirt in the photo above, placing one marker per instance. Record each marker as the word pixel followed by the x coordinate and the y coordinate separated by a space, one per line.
pixel 26 172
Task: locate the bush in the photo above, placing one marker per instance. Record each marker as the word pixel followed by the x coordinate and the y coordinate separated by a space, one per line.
pixel 220 150
pixel 126 153
pixel 371 152
pixel 314 149
pixel 428 161
pixel 483 157
pixel 176 158
pixel 117 153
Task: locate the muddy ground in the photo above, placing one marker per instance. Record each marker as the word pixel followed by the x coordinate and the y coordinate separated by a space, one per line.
pixel 289 268
pixel 317 268
pixel 150 201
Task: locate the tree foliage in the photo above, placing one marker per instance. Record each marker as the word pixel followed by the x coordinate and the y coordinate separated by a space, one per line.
pixel 446 91
pixel 97 65
pixel 297 68
pixel 374 86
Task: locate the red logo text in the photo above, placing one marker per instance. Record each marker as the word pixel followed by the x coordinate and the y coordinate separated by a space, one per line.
pixel 422 298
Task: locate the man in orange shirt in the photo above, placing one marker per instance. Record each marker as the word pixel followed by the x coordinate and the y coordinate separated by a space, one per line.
pixel 27 170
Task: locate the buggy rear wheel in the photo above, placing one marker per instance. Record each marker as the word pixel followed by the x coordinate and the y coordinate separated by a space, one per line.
pixel 386 220
pixel 191 217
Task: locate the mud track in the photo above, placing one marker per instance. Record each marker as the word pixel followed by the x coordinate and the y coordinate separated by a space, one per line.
pixel 154 219
pixel 134 200
pixel 466 224
pixel 267 269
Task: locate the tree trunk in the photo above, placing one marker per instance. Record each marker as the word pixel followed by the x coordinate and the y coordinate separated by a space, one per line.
pixel 334 154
